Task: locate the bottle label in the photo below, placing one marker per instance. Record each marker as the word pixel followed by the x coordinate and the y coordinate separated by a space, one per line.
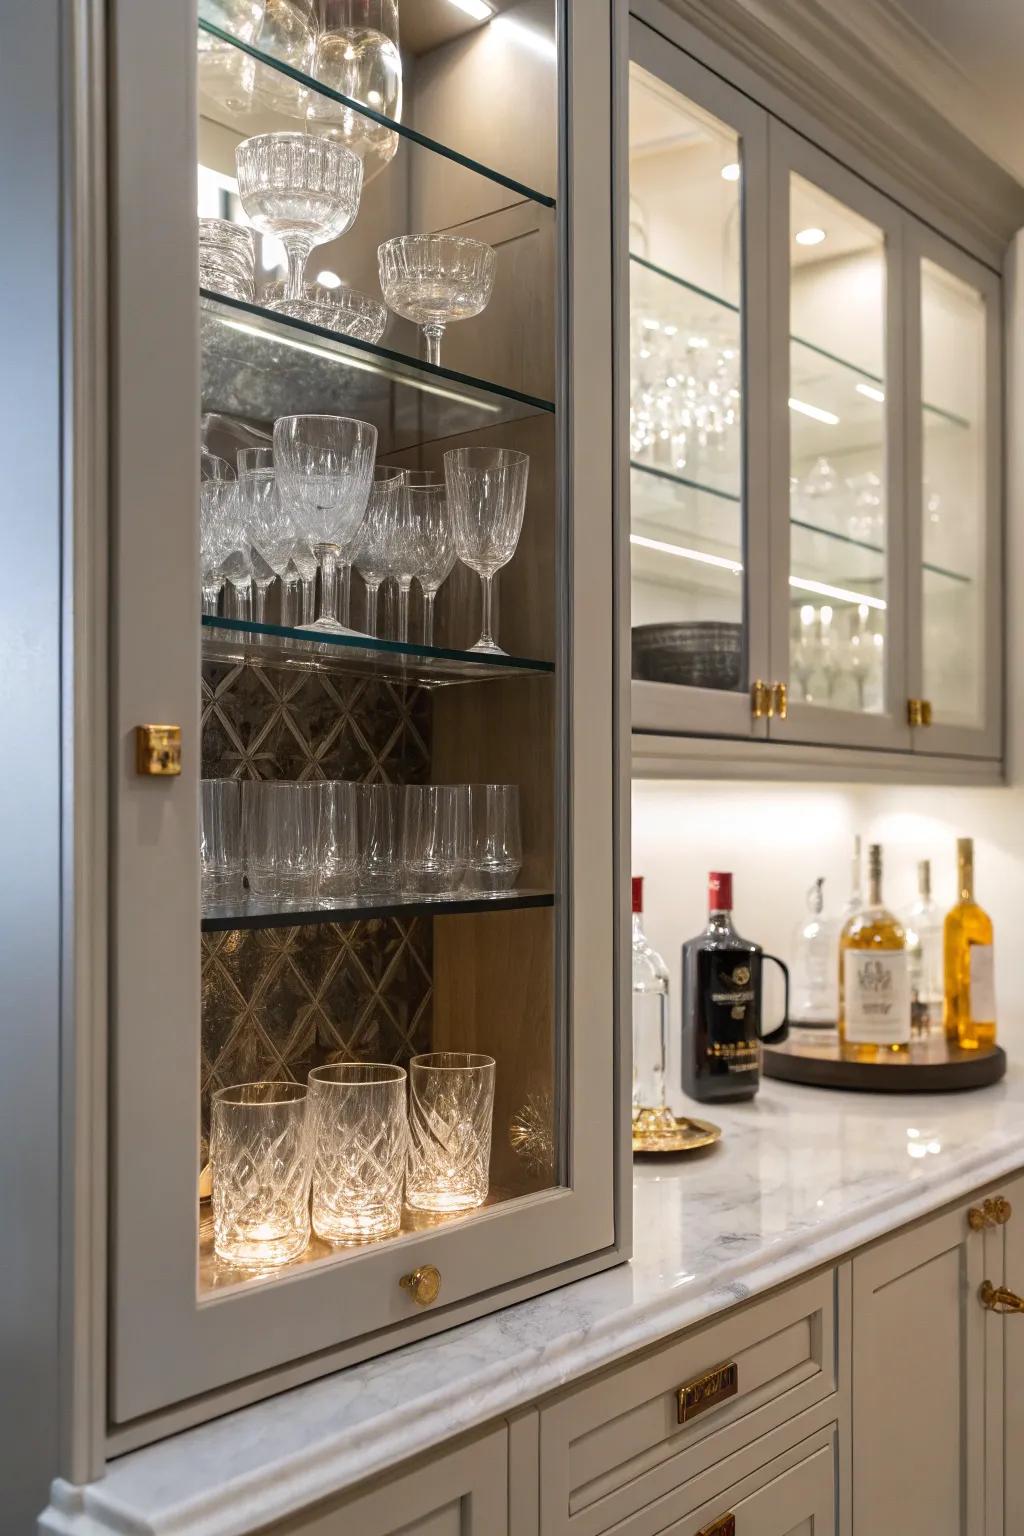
pixel 876 991
pixel 731 1010
pixel 983 983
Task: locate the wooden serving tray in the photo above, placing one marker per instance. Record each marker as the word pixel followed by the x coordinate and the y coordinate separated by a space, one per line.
pixel 932 1066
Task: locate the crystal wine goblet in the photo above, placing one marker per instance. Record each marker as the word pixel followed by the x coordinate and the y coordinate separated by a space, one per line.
pixel 357 55
pixel 487 499
pixel 303 190
pixel 434 279
pixel 404 542
pixel 289 34
pixel 214 476
pixel 437 546
pixel 324 469
pixel 271 531
pixel 370 556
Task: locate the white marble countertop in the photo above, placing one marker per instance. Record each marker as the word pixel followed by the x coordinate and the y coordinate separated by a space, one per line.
pixel 801 1177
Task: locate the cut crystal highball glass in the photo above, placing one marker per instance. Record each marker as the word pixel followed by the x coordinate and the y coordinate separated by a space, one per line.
pixel 435 837
pixel 221 838
pixel 359 1136
pixel 495 840
pixel 303 190
pixel 259 1149
pixel 435 279
pixel 451 1107
pixel 280 822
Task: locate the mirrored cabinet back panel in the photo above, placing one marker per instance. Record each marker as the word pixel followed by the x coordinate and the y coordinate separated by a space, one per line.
pixel 365 1025
pixel 815 454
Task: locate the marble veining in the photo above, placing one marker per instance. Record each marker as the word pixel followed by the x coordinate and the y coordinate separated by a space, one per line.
pixel 801 1177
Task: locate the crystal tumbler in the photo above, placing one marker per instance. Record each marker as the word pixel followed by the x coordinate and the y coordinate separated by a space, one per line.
pixel 435 837
pixel 378 806
pixel 337 838
pixel 495 841
pixel 359 1135
pixel 259 1149
pixel 451 1106
pixel 280 828
pixel 221 838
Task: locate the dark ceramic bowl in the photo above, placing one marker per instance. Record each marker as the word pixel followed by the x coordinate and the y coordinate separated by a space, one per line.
pixel 701 654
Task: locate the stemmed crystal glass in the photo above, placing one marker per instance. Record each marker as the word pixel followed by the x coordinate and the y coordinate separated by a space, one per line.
pixel 324 470
pixel 403 550
pixel 487 499
pixel 357 55
pixel 216 484
pixel 434 279
pixel 270 530
pixel 303 190
pixel 370 556
pixel 436 546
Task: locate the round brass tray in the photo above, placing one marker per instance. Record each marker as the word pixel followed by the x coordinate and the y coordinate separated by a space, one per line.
pixel 683 1135
pixel 930 1066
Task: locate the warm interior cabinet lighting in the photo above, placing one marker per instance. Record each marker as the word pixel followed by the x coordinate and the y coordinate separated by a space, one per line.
pixel 819 588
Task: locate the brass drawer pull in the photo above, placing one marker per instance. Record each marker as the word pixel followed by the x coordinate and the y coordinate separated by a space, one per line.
pixel 725 1525
pixel 994 1212
pixel 423 1285
pixel 996 1298
pixel 707 1391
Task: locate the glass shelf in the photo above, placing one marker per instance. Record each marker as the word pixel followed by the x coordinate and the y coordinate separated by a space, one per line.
pixel 420 666
pixel 306 85
pixel 700 524
pixel 249 912
pixel 262 365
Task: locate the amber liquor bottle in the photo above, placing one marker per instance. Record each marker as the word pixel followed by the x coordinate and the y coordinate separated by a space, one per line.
pixel 969 1011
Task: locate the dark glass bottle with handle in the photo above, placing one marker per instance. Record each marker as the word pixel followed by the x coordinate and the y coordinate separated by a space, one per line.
pixel 722 996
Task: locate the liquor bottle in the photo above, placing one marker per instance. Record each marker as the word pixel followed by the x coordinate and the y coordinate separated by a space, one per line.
pixel 923 925
pixel 969 1013
pixel 856 897
pixel 874 984
pixel 650 1027
pixel 722 1005
pixel 815 982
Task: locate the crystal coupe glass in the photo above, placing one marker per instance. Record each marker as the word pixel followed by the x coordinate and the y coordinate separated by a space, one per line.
pixel 324 470
pixel 434 279
pixel 359 1145
pixel 303 190
pixel 259 1148
pixel 451 1106
pixel 342 310
pixel 487 497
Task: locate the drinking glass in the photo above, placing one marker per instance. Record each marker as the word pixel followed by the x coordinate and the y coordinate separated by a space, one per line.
pixel 337 838
pixel 357 55
pixel 403 541
pixel 227 258
pixel 359 1135
pixel 259 1149
pixel 324 470
pixel 487 499
pixel 435 279
pixel 249 460
pixel 237 566
pixel 280 828
pixel 215 524
pixel 370 555
pixel 435 837
pixel 303 190
pixel 221 838
pixel 495 840
pixel 436 546
pixel 378 809
pixel 451 1107
pixel 289 34
pixel 343 310
pixel 225 73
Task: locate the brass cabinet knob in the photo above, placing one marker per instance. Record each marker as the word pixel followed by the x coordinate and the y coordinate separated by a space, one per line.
pixel 996 1298
pixel 780 700
pixel 993 1212
pixel 423 1285
pixel 725 1525
pixel 760 700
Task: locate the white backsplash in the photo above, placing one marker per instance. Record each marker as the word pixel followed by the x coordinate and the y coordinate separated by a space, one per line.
pixel 777 838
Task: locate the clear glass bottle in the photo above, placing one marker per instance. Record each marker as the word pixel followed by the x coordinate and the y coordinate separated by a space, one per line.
pixel 650 1027
pixel 855 900
pixel 874 982
pixel 969 1013
pixel 923 925
pixel 815 979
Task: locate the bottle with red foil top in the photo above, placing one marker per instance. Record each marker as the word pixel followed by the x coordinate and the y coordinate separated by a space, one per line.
pixel 651 1113
pixel 722 992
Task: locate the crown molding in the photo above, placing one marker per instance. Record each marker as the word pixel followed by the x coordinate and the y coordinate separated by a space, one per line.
pixel 868 75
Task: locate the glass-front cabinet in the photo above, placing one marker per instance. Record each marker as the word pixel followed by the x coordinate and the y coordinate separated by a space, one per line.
pixel 814 423
pixel 364 1034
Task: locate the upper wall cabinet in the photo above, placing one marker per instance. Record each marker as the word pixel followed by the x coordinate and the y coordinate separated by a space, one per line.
pixel 814 442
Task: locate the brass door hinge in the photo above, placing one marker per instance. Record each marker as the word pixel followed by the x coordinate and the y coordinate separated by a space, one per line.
pixel 760 700
pixel 926 711
pixel 919 711
pixel 780 700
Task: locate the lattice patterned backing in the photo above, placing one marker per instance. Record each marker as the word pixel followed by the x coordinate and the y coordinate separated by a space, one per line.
pixel 277 1001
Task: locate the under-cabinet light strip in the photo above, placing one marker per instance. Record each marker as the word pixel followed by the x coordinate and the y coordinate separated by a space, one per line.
pixel 819 588
pixel 357 363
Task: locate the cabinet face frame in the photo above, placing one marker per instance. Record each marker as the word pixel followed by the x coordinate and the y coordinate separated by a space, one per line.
pixel 986 739
pixel 669 707
pixel 166 1347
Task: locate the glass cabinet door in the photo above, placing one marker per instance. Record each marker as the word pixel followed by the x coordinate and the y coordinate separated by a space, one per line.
pixel 697 545
pixel 954 492
pixel 837 552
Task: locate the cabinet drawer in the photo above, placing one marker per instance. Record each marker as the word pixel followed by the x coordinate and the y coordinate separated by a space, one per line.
pixel 617 1445
pixel 794 1495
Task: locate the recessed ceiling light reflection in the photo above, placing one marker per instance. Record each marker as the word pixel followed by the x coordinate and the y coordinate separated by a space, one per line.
pixel 731 172
pixel 811 236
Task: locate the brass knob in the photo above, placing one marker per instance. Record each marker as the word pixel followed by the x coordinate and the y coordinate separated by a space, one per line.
pixel 423 1285
pixel 993 1212
pixel 1002 1210
pixel 996 1298
pixel 760 700
pixel 780 700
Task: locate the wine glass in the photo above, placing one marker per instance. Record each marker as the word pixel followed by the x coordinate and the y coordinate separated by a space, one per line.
pixel 289 34
pixel 436 546
pixel 271 531
pixel 357 55
pixel 487 499
pixel 434 279
pixel 303 190
pixel 370 556
pixel 403 552
pixel 214 475
pixel 324 469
